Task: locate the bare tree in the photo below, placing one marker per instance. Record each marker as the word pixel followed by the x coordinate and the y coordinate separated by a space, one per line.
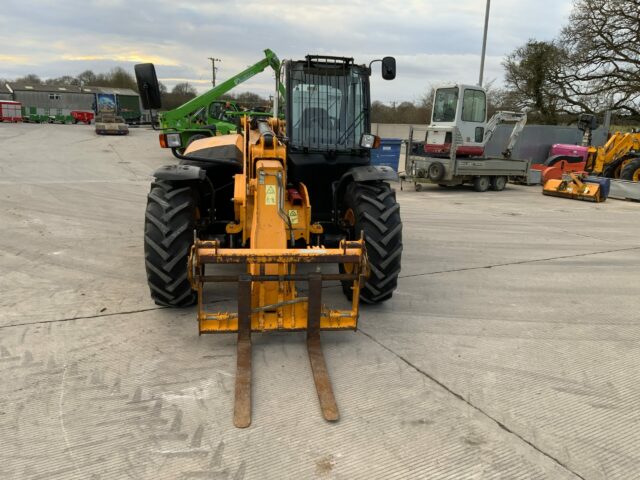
pixel 184 89
pixel 404 112
pixel 32 78
pixel 63 80
pixel 87 77
pixel 603 43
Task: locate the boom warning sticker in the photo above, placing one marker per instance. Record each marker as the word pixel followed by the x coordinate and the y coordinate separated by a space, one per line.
pixel 270 197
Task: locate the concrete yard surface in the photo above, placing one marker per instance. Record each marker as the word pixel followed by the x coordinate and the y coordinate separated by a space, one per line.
pixel 510 349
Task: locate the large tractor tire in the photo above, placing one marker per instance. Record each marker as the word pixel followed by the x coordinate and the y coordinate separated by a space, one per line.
pixel 372 209
pixel 168 236
pixel 631 171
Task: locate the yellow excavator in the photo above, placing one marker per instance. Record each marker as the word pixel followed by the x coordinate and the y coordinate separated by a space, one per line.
pixel 285 200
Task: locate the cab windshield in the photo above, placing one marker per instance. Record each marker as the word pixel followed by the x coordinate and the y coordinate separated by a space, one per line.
pixel 327 108
pixel 445 104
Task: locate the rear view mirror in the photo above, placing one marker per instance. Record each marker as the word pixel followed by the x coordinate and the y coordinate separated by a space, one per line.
pixel 388 68
pixel 148 86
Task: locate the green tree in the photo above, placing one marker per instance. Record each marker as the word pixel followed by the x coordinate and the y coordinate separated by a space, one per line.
pixel 531 75
pixel 118 77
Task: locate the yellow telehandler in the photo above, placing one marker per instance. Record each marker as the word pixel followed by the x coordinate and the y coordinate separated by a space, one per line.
pixel 273 197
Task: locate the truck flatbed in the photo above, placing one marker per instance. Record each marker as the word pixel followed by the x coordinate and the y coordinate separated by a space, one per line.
pixel 456 171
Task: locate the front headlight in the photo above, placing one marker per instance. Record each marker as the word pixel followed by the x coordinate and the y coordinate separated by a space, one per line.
pixel 369 141
pixel 173 140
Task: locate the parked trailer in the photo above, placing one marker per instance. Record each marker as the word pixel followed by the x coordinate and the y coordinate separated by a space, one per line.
pixel 10 111
pixel 80 116
pixel 483 173
pixel 46 115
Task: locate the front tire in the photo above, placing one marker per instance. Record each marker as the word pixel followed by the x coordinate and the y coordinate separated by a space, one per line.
pixel 631 171
pixel 372 209
pixel 168 236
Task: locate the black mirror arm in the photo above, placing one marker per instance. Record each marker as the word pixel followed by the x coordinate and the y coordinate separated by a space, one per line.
pixel 374 61
pixel 382 60
pixel 146 94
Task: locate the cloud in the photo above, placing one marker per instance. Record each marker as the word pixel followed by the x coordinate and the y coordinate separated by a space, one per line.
pixel 434 41
pixel 125 57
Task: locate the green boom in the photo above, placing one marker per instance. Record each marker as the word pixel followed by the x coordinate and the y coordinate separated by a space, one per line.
pixel 182 119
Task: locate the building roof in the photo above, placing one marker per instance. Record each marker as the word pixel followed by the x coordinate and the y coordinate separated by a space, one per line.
pixel 34 87
pixel 97 89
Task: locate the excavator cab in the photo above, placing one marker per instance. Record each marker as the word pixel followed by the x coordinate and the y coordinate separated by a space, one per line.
pixel 463 107
pixel 459 118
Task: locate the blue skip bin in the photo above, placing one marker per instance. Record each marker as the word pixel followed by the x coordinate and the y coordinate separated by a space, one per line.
pixel 388 153
pixel 605 185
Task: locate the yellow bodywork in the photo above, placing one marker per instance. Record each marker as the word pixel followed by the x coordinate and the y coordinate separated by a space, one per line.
pixel 270 220
pixel 616 147
pixel 573 186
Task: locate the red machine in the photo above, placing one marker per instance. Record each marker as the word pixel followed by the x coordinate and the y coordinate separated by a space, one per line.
pixel 562 159
pixel 80 116
pixel 10 111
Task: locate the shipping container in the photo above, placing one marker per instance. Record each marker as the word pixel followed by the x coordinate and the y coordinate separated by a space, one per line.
pixel 129 107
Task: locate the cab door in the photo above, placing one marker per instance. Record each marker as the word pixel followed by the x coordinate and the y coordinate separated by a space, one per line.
pixel 472 119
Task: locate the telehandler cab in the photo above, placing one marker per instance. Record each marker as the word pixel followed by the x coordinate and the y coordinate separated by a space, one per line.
pixel 275 195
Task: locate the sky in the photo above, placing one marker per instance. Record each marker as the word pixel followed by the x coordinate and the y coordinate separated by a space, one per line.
pixel 433 41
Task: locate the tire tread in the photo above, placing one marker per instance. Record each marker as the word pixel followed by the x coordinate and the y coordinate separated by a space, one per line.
pixel 169 223
pixel 378 214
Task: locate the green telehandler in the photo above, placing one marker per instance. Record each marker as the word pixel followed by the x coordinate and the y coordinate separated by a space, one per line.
pixel 207 115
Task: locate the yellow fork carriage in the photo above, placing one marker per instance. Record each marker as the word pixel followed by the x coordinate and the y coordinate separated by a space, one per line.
pixel 271 221
pixel 268 300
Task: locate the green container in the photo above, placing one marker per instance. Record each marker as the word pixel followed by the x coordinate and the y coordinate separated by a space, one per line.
pixel 129 108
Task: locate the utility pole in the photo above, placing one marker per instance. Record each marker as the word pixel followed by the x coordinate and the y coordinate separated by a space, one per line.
pixel 213 69
pixel 484 42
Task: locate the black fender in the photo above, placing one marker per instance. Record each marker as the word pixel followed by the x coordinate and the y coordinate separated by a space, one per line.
pixel 361 174
pixel 180 173
pixel 551 161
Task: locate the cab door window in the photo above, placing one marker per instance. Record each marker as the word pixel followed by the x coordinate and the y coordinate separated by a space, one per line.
pixel 474 106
